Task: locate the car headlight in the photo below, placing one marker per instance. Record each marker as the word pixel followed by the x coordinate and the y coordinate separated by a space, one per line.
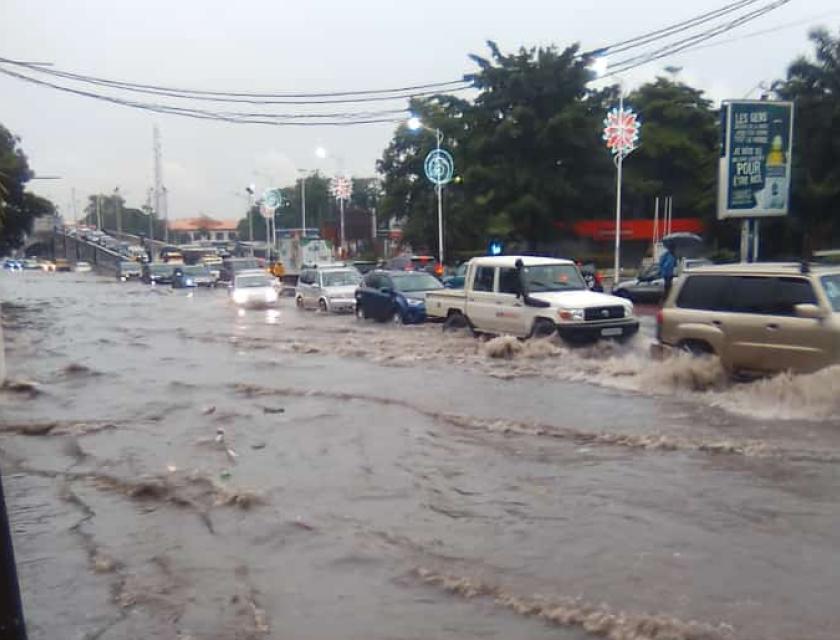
pixel 571 315
pixel 190 282
pixel 239 297
pixel 413 302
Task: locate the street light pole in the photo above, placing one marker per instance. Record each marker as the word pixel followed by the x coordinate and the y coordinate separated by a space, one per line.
pixel 119 209
pixel 439 138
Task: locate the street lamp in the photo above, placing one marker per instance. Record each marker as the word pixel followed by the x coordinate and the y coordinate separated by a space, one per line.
pixel 305 173
pixel 439 168
pixel 340 185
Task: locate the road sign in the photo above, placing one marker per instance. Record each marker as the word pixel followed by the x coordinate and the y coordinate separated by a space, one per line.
pixel 439 166
pixel 755 164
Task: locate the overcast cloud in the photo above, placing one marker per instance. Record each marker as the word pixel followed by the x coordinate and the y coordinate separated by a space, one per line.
pixel 309 45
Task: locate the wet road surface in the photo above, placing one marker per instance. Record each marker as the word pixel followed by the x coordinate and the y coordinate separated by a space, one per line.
pixel 179 468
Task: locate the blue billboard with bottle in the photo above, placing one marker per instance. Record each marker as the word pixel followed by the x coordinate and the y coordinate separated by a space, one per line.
pixel 755 165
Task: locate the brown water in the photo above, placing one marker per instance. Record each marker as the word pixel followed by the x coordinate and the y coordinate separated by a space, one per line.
pixel 177 468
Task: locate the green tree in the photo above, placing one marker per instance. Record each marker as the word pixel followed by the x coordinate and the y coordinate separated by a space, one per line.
pixel 678 154
pixel 814 86
pixel 18 207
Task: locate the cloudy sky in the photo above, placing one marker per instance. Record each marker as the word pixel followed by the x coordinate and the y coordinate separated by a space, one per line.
pixel 308 46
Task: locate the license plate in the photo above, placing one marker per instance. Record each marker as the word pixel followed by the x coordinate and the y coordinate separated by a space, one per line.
pixel 617 331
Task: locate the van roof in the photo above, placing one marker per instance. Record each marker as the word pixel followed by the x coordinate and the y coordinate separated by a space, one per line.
pixel 763 268
pixel 510 261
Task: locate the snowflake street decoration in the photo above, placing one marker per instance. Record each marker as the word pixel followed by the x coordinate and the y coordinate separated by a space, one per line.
pixel 621 131
pixel 341 187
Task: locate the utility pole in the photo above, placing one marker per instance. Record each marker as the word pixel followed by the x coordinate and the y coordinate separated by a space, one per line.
pixel 118 206
pixel 75 210
pixel 165 197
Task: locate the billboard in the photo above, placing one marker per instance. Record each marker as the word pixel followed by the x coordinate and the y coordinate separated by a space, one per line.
pixel 755 164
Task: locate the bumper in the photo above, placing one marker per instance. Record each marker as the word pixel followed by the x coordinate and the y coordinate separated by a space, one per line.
pixel 591 332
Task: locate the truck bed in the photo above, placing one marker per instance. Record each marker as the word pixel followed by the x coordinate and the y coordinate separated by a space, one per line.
pixel 440 303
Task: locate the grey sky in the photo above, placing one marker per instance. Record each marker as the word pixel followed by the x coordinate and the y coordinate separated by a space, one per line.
pixel 308 45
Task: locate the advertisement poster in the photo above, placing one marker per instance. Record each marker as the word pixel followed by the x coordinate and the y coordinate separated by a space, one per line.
pixel 755 165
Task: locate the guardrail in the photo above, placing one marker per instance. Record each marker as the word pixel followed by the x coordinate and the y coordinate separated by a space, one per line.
pixel 78 250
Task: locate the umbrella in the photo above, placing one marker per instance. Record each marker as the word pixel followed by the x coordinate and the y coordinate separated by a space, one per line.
pixel 682 242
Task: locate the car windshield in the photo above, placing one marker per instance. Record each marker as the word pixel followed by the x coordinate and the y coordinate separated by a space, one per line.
pixel 160 268
pixel 554 277
pixel 256 280
pixel 196 270
pixel 407 282
pixel 340 278
pixel 831 284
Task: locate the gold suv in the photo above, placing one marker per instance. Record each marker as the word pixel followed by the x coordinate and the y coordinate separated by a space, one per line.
pixel 759 317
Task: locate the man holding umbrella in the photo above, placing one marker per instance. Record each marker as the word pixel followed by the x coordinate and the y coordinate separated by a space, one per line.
pixel 686 243
pixel 667 267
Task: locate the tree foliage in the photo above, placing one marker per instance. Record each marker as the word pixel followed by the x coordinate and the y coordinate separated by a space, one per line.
pixel 132 220
pixel 814 86
pixel 530 156
pixel 18 207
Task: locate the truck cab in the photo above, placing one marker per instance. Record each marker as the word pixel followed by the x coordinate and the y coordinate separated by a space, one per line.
pixel 529 296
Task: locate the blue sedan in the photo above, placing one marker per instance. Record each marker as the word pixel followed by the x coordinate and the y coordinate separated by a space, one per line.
pixel 398 296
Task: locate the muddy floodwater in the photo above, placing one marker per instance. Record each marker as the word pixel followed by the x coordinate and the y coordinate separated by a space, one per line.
pixel 178 468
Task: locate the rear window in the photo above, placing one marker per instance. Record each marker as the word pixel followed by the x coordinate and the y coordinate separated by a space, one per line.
pixel 707 293
pixel 762 295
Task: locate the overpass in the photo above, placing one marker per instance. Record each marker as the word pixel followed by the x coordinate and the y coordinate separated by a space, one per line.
pixel 78 250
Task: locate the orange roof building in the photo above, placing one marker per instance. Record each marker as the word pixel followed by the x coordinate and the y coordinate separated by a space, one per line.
pixel 203 228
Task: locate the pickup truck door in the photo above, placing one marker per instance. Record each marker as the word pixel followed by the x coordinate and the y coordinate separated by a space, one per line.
pixel 511 315
pixel 481 300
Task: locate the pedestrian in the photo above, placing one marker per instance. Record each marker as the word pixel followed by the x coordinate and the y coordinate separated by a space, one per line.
pixel 667 266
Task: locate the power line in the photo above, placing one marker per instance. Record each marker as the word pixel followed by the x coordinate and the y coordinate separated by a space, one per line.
pixel 679 27
pixel 334 97
pixel 686 43
pixel 291 119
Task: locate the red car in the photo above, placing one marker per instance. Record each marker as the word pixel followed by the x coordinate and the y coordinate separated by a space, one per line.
pixel 415 263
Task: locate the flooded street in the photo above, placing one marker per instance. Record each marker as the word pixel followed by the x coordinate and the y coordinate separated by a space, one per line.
pixel 178 468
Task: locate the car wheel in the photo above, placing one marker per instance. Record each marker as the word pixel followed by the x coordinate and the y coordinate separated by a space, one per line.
pixel 543 328
pixel 696 348
pixel 397 317
pixel 454 321
pixel 299 302
pixel 361 314
pixel 322 305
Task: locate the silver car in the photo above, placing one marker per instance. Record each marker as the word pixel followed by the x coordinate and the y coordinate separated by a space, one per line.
pixel 328 288
pixel 254 289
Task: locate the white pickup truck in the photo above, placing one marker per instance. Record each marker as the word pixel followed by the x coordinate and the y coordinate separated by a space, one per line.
pixel 529 296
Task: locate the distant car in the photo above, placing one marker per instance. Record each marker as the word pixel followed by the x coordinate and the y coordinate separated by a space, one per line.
pixel 364 266
pixel 328 288
pixel 30 265
pixel 398 296
pixel 649 286
pixel 10 264
pixel 197 275
pixel 62 264
pixel 456 279
pixel 47 265
pixel 157 273
pixel 129 270
pixel 253 289
pixel 415 263
pixel 233 266
pixel 82 267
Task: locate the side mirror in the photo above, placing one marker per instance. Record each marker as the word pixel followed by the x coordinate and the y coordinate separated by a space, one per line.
pixel 810 311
